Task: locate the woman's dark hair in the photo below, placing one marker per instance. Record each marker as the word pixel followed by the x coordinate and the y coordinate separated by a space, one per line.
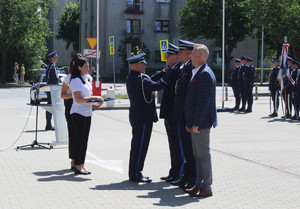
pixel 75 73
pixel 73 61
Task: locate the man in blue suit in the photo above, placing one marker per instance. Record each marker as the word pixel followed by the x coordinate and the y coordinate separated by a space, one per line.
pixel 201 114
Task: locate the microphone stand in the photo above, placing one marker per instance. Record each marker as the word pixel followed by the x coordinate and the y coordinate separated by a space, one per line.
pixel 35 142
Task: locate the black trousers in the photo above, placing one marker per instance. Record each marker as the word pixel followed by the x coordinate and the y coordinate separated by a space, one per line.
pixel 248 95
pixel 275 99
pixel 175 147
pixel 243 95
pixel 237 95
pixel 48 114
pixel 141 134
pixel 190 170
pixel 81 127
pixel 71 131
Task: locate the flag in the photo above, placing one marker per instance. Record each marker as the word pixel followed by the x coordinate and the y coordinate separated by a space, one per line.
pixel 284 72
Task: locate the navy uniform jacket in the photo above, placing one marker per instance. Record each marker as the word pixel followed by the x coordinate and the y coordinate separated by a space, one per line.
pixel 240 74
pixel 297 82
pixel 140 111
pixel 294 74
pixel 200 102
pixel 248 76
pixel 51 74
pixel 274 84
pixel 181 89
pixel 168 94
pixel 234 77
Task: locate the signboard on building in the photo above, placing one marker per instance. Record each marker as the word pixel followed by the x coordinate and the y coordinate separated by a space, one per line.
pixel 89 53
pixel 111 45
pixel 163 49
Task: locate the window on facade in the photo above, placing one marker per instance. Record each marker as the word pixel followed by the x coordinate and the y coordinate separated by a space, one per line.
pixel 157 56
pixel 162 25
pixel 217 59
pixel 129 1
pixel 133 26
pixel 162 1
pixel 85 30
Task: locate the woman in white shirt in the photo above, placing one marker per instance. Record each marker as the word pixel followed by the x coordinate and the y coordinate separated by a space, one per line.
pixel 81 111
pixel 66 94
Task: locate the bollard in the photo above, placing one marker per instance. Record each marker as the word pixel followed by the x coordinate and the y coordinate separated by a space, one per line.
pixel 256 93
pixel 110 93
pixel 226 92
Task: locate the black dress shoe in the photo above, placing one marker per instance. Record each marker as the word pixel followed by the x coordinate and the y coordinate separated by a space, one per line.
pixel 178 181
pixel 171 178
pixel 274 114
pixel 72 168
pixel 241 109
pixel 141 179
pixel 189 186
pixel 165 177
pixel 49 128
pixel 76 171
pixel 294 117
pixel 248 110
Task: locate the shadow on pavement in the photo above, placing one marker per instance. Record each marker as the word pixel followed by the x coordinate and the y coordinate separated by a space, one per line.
pixel 60 175
pixel 168 195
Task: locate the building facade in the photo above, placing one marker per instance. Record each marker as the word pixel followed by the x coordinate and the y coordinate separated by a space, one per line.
pixel 151 21
pixel 52 42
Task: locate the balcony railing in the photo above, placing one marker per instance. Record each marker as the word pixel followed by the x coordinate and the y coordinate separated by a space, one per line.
pixel 134 8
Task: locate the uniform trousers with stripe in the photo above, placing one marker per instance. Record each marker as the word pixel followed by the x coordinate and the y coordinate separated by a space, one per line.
pixel 190 163
pixel 81 127
pixel 141 134
pixel 175 147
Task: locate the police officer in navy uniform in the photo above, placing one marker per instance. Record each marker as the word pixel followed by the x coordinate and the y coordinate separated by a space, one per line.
pixel 142 112
pixel 248 81
pixel 293 88
pixel 189 179
pixel 51 78
pixel 235 84
pixel 166 112
pixel 297 89
pixel 287 91
pixel 241 82
pixel 274 87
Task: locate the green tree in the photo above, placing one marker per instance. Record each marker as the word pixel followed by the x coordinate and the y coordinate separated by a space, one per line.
pixel 23 32
pixel 279 19
pixel 135 43
pixel 203 18
pixel 68 23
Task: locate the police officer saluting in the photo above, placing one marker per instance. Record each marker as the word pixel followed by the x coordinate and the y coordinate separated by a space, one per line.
pixel 235 84
pixel 142 112
pixel 166 112
pixel 51 78
pixel 274 87
pixel 248 81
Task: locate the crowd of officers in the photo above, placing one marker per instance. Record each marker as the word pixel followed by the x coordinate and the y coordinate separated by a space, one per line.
pixel 242 80
pixel 290 90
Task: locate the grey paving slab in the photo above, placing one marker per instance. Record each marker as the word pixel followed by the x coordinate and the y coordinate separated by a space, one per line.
pixel 255 162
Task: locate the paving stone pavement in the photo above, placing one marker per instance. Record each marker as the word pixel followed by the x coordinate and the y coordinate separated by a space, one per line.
pixel 255 162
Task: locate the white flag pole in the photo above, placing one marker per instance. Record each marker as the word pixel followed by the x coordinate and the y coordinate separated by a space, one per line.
pixel 223 53
pixel 98 55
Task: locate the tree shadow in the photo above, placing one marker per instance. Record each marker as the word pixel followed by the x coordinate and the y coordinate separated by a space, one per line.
pixel 60 175
pixel 169 196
